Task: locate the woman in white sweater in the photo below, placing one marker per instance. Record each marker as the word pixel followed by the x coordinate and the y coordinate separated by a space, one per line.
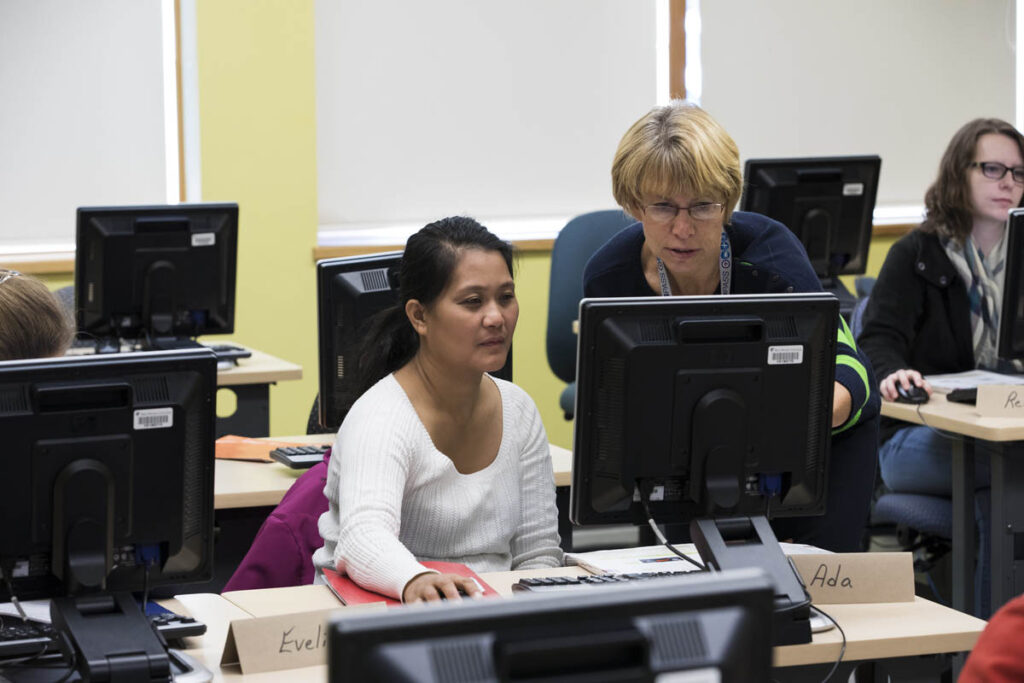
pixel 436 460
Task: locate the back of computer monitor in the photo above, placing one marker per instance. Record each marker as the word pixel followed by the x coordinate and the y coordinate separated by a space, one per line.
pixel 828 202
pixel 1011 318
pixel 156 271
pixel 122 442
pixel 350 292
pixel 708 406
pixel 714 627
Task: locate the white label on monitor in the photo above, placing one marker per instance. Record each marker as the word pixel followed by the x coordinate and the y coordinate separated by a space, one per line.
pixel 853 189
pixel 708 675
pixel 203 239
pixel 154 418
pixel 20 569
pixel 786 355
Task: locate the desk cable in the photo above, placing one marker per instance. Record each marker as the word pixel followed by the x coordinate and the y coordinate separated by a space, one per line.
pixel 645 500
pixel 645 495
pixel 944 434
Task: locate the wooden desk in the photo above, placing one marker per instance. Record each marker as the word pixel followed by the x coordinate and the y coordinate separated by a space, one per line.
pixel 241 484
pixel 1005 437
pixel 250 382
pixel 874 632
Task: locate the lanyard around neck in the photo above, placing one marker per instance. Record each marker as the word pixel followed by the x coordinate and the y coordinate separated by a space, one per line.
pixel 724 269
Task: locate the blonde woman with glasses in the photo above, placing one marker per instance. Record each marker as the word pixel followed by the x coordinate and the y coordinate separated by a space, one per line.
pixel 678 172
pixel 33 324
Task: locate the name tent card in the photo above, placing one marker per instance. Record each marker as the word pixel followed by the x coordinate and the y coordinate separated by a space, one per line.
pixel 846 578
pixel 282 641
pixel 1001 400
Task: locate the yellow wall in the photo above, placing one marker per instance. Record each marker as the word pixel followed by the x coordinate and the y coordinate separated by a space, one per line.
pixel 257 122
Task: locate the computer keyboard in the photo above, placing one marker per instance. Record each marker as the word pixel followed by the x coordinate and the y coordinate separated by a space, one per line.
pixel 19 638
pixel 559 583
pixel 299 457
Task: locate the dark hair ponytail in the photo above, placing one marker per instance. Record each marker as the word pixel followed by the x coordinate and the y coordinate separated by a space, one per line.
pixel 428 262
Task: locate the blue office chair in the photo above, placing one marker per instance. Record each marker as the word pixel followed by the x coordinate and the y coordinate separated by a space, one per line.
pixel 919 521
pixel 574 246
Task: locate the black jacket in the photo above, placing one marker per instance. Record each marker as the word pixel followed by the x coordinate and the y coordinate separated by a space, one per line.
pixel 917 316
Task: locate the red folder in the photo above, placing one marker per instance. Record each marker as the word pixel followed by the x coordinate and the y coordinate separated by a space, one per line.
pixel 351 593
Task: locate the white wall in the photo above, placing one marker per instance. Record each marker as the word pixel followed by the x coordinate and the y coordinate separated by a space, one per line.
pixel 496 109
pixel 890 77
pixel 81 114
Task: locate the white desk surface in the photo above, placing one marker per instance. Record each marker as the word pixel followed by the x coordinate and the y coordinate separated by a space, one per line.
pixel 239 483
pixel 961 418
pixel 873 631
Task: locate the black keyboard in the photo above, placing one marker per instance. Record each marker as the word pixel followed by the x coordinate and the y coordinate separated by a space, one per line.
pixel 19 638
pixel 968 395
pixel 559 583
pixel 299 457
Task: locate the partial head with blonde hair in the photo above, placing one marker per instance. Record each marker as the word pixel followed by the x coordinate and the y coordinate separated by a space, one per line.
pixel 33 324
pixel 676 149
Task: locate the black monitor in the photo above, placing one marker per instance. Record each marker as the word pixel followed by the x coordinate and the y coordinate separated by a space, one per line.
pixel 350 291
pixel 107 468
pixel 1011 318
pixel 828 202
pixel 716 628
pixel 704 408
pixel 162 275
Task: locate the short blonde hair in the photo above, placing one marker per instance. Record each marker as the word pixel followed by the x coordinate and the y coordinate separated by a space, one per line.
pixel 33 323
pixel 676 148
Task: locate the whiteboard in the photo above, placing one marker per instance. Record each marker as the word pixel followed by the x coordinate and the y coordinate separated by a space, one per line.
pixel 494 109
pixel 890 77
pixel 82 115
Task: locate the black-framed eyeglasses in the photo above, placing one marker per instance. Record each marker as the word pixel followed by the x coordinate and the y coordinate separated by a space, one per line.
pixel 663 212
pixel 996 170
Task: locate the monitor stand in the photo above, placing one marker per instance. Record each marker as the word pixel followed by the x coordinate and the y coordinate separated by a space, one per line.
pixel 109 638
pixel 743 542
pixel 847 301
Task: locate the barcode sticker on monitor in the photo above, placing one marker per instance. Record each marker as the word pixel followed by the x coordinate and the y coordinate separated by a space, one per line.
pixel 786 355
pixel 853 189
pixel 154 418
pixel 203 239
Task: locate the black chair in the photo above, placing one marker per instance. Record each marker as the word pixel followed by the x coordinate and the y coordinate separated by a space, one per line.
pixel 574 246
pixel 313 424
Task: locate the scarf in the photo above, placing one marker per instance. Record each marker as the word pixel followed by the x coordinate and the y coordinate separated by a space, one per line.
pixel 983 278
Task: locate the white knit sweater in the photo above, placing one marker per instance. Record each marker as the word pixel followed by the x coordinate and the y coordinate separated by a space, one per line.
pixel 394 498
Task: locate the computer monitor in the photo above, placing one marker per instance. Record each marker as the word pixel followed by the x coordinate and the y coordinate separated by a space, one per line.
pixel 705 627
pixel 1011 317
pixel 159 274
pixel 828 202
pixel 350 291
pixel 107 482
pixel 705 407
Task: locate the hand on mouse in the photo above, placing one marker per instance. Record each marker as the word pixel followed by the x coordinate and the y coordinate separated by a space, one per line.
pixel 906 378
pixel 430 586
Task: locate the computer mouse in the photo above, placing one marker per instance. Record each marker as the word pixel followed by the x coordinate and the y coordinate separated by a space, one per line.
pixel 914 394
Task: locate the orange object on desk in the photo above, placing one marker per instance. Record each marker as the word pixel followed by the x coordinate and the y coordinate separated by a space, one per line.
pixel 231 447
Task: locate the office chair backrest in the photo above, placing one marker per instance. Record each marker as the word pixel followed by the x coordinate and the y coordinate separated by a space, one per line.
pixel 574 246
